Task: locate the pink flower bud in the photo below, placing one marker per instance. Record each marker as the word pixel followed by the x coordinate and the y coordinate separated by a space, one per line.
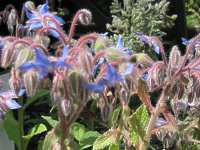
pixel 31 82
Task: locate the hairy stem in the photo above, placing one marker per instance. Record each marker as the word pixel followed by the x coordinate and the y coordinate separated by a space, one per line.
pixel 62 36
pixel 159 107
pixel 21 127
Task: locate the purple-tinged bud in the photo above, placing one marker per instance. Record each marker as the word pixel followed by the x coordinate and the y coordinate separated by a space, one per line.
pixel 85 17
pixel 7 56
pixel 24 55
pixel 66 107
pixel 31 82
pixel 86 62
pixel 58 89
pixel 76 91
pixel 14 81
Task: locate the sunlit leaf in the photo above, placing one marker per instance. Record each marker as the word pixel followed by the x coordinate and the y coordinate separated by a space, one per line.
pixel 108 138
pixel 50 121
pixel 138 122
pixel 12 128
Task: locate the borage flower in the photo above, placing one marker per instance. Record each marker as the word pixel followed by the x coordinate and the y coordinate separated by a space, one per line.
pixel 7 101
pixel 109 78
pixel 41 17
pixel 151 41
pixel 43 65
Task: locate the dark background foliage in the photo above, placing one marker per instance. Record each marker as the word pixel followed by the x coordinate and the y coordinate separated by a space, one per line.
pixel 101 15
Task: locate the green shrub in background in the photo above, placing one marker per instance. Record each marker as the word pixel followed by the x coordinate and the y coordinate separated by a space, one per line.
pixel 193 13
pixel 146 16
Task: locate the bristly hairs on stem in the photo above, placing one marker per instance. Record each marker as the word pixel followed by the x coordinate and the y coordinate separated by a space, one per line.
pixel 84 16
pixel 62 36
pixel 188 51
pixel 84 39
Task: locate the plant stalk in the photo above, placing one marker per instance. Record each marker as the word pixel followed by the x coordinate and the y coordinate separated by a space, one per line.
pixel 159 107
pixel 21 127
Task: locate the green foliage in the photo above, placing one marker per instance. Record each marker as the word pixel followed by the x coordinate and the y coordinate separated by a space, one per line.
pixel 12 128
pixel 193 13
pixel 77 130
pixel 108 138
pixel 52 139
pixel 37 129
pixel 146 16
pixel 50 121
pixel 138 122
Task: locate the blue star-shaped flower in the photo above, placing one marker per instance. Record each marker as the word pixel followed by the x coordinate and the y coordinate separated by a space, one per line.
pixel 152 41
pixel 43 64
pixel 111 77
pixel 35 21
pixel 95 87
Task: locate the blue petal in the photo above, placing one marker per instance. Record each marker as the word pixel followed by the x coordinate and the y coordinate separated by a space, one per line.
pixel 41 58
pixel 28 13
pixel 112 76
pixel 22 92
pixel 95 87
pixel 119 42
pixel 12 104
pixel 35 26
pixel 65 51
pixel 142 37
pixel 156 48
pixel 54 33
pixel 185 41
pixel 44 8
pixel 144 76
pixel 61 64
pixel 43 72
pixel 59 19
pixel 129 69
pixel 27 66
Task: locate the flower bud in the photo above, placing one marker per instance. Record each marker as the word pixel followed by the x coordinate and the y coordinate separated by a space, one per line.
pixel 85 61
pixel 7 56
pixel 58 89
pixel 75 86
pixel 44 40
pixel 14 81
pixel 66 107
pixel 31 82
pixel 24 55
pixel 101 43
pixel 85 17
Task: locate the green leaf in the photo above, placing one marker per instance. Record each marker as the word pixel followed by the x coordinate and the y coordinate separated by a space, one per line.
pixel 11 127
pixel 114 147
pixel 40 144
pixel 88 139
pixel 114 116
pixel 5 142
pixel 138 122
pixel 52 138
pixel 77 130
pixel 108 138
pixel 37 129
pixel 50 121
